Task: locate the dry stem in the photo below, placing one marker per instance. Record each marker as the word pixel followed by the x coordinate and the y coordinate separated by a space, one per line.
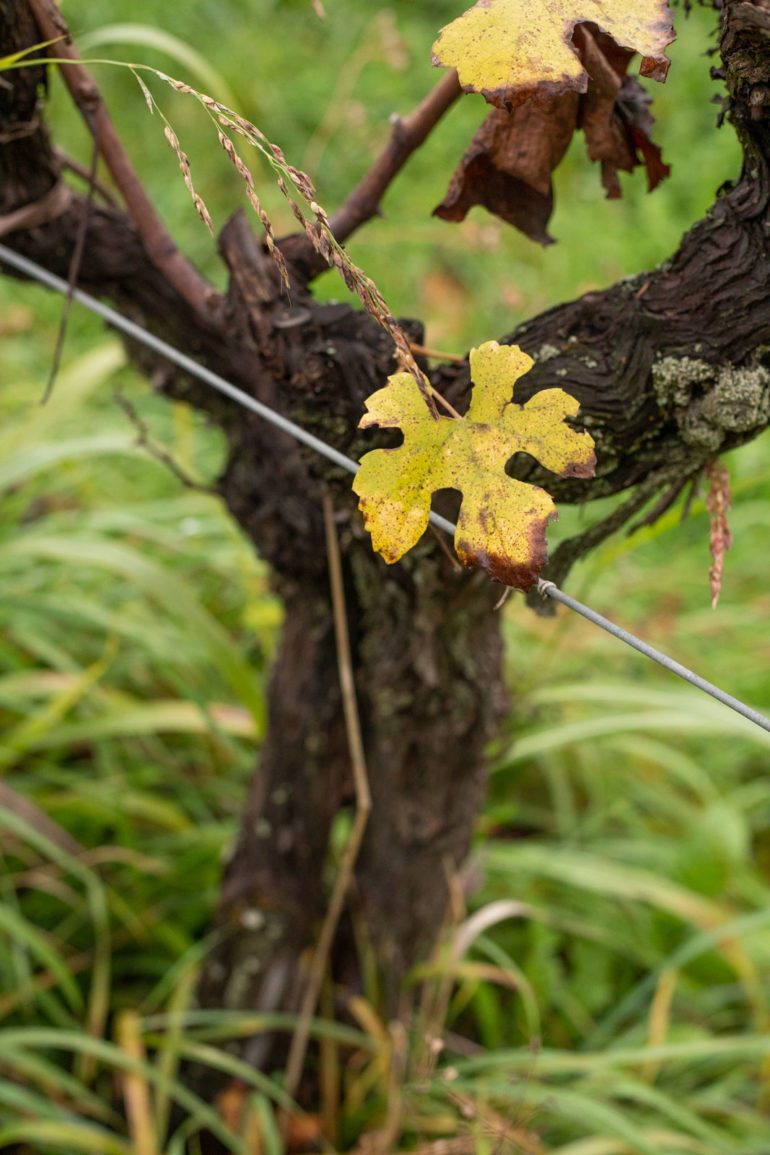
pixel 363 806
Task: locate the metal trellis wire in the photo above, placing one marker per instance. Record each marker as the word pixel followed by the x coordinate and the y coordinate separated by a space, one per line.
pixel 545 588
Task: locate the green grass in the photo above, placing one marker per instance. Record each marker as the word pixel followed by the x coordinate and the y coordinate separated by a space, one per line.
pixel 623 857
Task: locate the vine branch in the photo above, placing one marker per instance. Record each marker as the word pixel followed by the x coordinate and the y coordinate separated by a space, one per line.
pixel 160 246
pixel 407 135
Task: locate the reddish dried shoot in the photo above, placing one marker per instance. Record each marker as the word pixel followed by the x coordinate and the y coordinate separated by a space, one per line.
pixel 436 354
pixel 720 538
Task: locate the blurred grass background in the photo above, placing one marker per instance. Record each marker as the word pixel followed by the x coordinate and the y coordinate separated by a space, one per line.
pixel 621 916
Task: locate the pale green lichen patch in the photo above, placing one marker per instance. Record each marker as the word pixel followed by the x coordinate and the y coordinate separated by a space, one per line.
pixel 547 353
pixel 698 430
pixel 741 400
pixel 674 379
pixel 709 402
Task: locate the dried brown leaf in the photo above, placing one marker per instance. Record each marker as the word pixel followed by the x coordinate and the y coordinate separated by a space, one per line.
pixel 508 166
pixel 615 115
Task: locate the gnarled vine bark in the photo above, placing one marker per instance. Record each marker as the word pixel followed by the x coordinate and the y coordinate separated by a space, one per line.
pixel 670 368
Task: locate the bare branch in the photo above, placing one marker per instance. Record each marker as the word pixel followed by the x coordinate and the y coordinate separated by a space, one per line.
pixel 407 135
pixel 159 244
pixel 50 206
pixel 71 165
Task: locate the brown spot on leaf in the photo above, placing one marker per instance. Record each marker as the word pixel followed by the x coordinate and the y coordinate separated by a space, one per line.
pixel 517 573
pixel 585 468
pixel 502 521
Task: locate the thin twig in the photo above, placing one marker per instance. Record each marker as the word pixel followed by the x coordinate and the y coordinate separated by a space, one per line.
pixel 446 405
pixel 442 544
pixel 363 806
pixel 157 241
pixel 144 439
pixel 73 273
pixel 436 354
pixel 660 507
pixel 363 203
pixel 406 137
pixel 690 497
pixel 74 166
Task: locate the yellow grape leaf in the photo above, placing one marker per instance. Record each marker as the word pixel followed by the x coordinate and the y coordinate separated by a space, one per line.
pixel 509 49
pixel 502 522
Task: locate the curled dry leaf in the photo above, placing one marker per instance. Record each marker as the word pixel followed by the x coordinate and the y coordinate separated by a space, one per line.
pixel 615 114
pixel 502 522
pixel 508 167
pixel 511 49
